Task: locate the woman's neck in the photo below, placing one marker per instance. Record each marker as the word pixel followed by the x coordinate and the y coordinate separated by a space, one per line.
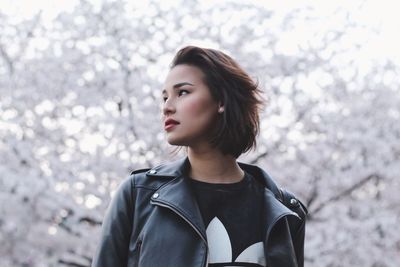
pixel 212 166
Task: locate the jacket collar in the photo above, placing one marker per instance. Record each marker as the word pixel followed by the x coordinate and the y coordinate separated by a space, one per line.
pixel 177 192
pixel 179 168
pixel 171 169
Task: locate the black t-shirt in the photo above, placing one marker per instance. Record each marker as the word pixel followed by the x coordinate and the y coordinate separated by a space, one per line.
pixel 232 214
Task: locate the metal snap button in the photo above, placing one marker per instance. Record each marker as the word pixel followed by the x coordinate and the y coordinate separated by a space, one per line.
pixel 152 171
pixel 155 195
pixel 294 202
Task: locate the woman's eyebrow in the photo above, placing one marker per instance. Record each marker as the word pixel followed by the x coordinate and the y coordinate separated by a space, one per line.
pixel 176 86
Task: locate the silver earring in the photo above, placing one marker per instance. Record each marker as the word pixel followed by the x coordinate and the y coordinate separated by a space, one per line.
pixel 221 109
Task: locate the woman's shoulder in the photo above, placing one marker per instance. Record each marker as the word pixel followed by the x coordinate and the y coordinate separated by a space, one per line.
pixel 150 177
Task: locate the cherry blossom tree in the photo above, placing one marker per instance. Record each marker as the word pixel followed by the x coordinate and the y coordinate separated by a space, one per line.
pixel 79 109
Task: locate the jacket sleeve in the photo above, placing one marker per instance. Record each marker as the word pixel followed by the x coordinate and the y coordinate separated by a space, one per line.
pixel 297 227
pixel 298 242
pixel 113 247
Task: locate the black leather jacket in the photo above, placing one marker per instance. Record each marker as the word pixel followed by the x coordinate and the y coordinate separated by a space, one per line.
pixel 153 220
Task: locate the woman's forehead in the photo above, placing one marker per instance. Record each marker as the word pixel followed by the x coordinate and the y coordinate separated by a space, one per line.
pixel 184 73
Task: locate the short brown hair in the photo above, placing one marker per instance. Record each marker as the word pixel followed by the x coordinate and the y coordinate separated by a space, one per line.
pixel 233 87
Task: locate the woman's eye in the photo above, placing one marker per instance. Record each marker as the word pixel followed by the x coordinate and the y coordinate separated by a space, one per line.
pixel 182 92
pixel 165 98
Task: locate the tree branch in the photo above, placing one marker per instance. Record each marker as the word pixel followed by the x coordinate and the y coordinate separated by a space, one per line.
pixel 345 192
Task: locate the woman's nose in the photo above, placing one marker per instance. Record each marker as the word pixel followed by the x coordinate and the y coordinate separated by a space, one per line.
pixel 168 107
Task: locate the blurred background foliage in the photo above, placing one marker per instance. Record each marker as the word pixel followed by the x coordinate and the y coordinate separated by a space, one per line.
pixel 80 108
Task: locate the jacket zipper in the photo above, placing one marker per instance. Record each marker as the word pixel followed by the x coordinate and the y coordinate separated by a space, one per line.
pixel 189 222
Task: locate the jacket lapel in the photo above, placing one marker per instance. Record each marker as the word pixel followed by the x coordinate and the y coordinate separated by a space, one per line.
pixel 177 193
pixel 274 208
pixel 278 246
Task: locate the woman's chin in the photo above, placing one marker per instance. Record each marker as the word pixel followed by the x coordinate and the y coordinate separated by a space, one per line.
pixel 175 141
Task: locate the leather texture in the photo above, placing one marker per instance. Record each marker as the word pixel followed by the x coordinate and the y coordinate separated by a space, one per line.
pixel 153 220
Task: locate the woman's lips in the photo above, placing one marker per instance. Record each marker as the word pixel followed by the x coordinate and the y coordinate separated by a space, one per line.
pixel 170 126
pixel 170 123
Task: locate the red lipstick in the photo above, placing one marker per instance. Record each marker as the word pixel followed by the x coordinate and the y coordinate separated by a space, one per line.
pixel 169 124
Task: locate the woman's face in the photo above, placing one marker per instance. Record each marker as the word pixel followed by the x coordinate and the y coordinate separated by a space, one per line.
pixel 188 102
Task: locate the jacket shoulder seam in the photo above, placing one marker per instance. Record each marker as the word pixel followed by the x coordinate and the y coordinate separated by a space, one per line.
pixel 146 187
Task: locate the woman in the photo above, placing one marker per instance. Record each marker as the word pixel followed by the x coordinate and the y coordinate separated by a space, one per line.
pixel 205 209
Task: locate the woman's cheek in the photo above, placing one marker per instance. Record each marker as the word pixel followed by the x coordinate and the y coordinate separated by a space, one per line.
pixel 193 106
